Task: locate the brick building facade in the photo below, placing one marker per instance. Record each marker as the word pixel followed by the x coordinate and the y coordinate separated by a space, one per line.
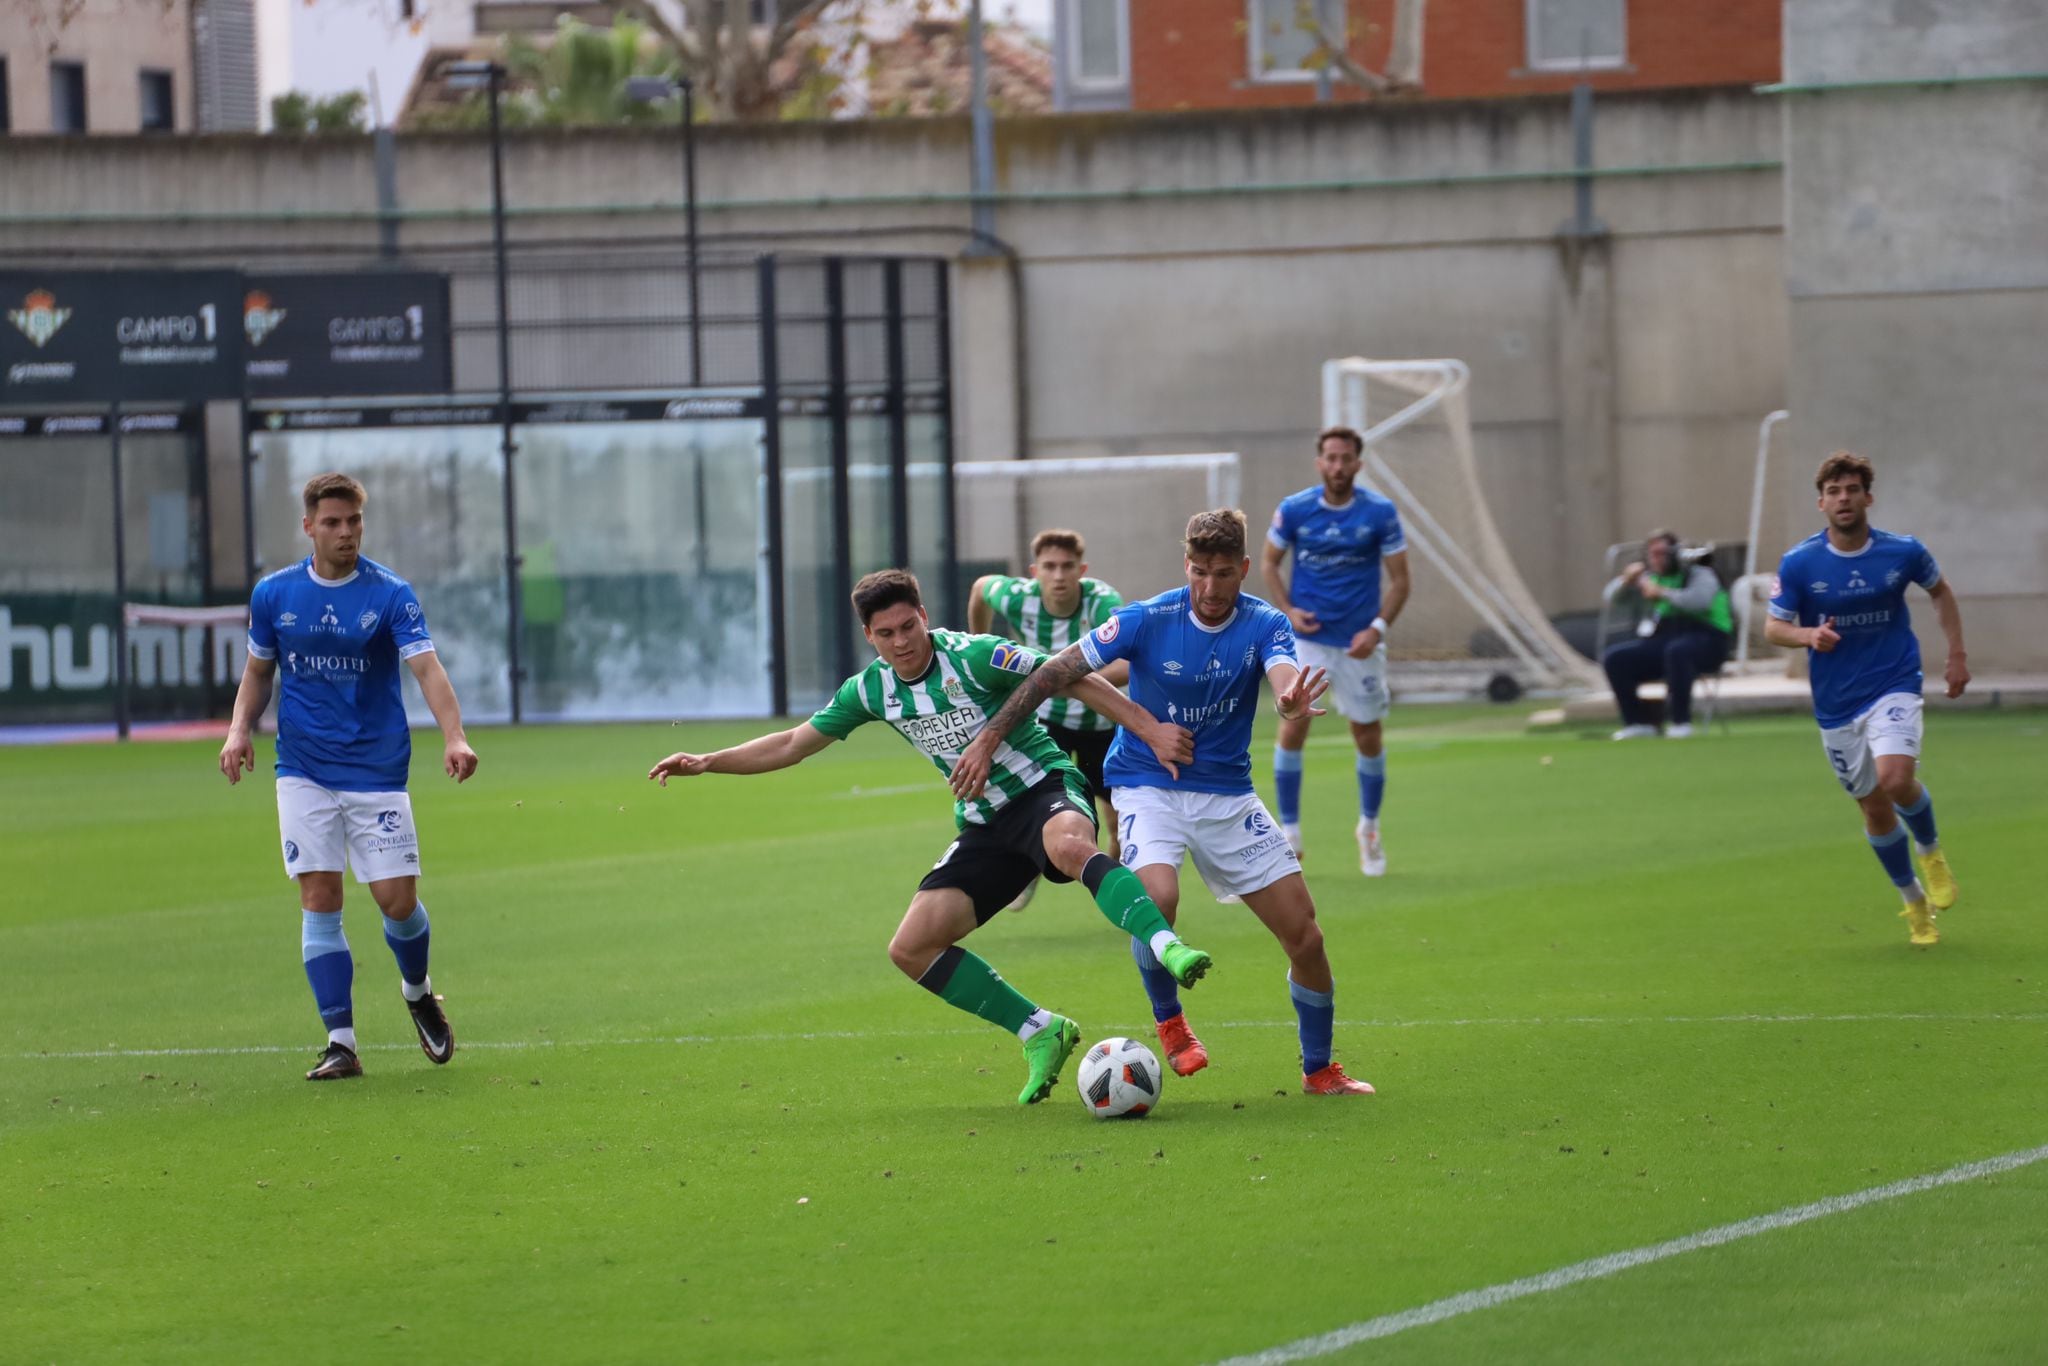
pixel 1207 54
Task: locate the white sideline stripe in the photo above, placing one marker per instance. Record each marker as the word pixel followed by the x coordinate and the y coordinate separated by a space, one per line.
pixel 671 1040
pixel 1615 1263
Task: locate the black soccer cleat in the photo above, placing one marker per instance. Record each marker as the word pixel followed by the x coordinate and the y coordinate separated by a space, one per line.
pixel 437 1036
pixel 337 1062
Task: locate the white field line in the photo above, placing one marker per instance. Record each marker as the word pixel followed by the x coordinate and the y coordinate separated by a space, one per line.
pixel 1614 1263
pixel 684 1040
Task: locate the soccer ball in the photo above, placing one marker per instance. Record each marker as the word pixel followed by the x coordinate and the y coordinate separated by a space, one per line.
pixel 1120 1079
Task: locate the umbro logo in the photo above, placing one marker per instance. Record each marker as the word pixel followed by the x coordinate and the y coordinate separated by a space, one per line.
pixel 288 619
pixel 1819 585
pixel 1172 666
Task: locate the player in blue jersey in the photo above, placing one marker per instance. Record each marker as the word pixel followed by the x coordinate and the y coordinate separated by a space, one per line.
pixel 1339 534
pixel 339 625
pixel 1842 595
pixel 1196 655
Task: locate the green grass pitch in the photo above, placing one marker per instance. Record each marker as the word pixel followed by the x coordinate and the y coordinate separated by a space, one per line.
pixel 1610 994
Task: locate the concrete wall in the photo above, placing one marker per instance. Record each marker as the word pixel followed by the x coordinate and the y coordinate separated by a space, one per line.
pixel 1917 268
pixel 1181 279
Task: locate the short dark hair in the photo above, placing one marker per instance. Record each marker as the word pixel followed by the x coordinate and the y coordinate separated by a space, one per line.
pixel 1840 465
pixel 1342 434
pixel 333 486
pixel 885 588
pixel 1058 538
pixel 1220 531
pixel 1663 533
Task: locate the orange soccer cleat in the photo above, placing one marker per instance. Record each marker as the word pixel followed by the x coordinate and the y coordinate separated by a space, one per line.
pixel 1184 1052
pixel 1331 1081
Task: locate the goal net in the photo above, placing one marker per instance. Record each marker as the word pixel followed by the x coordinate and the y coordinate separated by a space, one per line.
pixel 1131 509
pixel 1470 623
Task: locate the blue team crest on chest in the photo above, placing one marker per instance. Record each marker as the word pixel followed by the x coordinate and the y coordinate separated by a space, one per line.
pixel 367 620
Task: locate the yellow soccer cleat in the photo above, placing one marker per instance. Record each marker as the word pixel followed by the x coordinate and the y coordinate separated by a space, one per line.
pixel 1939 881
pixel 1920 931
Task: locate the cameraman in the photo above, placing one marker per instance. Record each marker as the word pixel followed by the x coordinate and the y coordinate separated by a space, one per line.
pixel 1686 633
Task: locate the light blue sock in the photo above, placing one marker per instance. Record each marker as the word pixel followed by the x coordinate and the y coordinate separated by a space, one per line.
pixel 1287 784
pixel 1159 983
pixel 329 968
pixel 408 940
pixel 1317 1013
pixel 1372 785
pixel 1891 851
pixel 1919 818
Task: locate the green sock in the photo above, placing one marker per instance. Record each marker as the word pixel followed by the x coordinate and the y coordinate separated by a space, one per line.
pixel 1122 899
pixel 960 979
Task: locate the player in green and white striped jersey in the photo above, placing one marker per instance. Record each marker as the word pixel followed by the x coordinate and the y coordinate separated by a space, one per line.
pixel 938 690
pixel 1050 609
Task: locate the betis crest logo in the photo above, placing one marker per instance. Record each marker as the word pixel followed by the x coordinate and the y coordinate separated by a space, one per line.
pixel 39 317
pixel 259 319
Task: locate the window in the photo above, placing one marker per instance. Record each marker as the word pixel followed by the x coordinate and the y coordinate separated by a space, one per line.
pixel 67 97
pixel 1096 46
pixel 1283 37
pixel 1577 35
pixel 158 115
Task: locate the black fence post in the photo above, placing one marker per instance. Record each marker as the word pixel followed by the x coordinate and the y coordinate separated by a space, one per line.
pixel 121 718
pixel 899 418
pixel 949 547
pixel 842 473
pixel 771 476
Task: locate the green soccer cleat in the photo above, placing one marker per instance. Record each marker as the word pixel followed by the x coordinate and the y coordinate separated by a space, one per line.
pixel 1186 964
pixel 1045 1053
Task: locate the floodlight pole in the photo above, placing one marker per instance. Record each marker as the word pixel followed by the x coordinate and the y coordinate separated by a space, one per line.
pixel 690 227
pixel 983 146
pixel 506 446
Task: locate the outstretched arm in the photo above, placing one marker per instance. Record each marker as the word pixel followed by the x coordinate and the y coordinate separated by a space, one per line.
pixel 1069 666
pixel 1173 744
pixel 765 754
pixel 1950 613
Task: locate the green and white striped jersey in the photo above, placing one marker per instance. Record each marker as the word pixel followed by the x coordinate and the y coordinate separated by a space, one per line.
pixel 941 712
pixel 1022 603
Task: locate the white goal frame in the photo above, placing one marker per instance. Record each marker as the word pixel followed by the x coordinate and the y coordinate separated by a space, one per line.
pixel 1503 600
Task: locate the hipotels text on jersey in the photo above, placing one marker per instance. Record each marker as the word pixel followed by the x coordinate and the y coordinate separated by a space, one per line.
pixel 327 666
pixel 1193 718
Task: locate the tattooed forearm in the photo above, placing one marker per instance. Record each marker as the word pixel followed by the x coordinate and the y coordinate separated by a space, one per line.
pixel 1063 669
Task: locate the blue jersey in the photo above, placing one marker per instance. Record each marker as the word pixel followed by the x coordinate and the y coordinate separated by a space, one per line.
pixel 1205 678
pixel 1337 553
pixel 340 715
pixel 1865 593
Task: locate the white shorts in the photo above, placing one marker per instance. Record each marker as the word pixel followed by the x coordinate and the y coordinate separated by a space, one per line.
pixel 1891 725
pixel 1358 687
pixel 1237 846
pixel 373 831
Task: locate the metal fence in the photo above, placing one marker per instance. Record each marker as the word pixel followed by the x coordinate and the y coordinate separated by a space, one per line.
pixel 647 513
